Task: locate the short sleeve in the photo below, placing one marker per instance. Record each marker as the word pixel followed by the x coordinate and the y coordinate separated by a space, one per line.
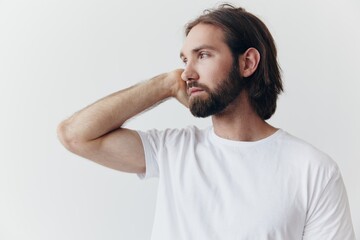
pixel 150 144
pixel 330 217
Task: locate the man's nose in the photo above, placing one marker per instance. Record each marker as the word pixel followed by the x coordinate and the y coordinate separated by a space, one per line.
pixel 189 73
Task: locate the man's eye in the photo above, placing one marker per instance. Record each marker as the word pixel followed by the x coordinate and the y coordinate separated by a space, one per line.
pixel 184 61
pixel 203 55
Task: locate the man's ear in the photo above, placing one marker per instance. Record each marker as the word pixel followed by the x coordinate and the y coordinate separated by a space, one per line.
pixel 249 61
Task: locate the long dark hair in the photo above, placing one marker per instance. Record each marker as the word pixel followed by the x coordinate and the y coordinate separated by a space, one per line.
pixel 242 31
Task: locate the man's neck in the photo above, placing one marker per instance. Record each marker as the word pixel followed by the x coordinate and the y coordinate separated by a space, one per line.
pixel 239 122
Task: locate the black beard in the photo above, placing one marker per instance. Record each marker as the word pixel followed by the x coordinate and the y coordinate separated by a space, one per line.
pixel 223 95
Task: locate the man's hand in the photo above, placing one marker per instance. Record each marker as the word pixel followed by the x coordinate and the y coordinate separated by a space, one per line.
pixel 177 86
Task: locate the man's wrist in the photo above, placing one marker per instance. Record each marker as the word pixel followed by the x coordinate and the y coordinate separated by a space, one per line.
pixel 164 85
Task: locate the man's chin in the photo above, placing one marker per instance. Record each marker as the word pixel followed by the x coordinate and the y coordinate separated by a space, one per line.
pixel 199 114
pixel 199 108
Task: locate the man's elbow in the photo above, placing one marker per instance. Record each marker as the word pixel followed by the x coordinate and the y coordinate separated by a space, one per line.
pixel 68 138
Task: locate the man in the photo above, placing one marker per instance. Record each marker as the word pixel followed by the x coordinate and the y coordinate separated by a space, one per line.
pixel 239 179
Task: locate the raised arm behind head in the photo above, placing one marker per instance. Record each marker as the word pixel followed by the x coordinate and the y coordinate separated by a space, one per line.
pixel 95 132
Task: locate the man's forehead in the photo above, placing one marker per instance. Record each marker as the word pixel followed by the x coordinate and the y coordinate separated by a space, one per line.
pixel 203 36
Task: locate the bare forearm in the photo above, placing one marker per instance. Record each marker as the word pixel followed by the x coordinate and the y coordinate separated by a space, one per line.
pixel 112 111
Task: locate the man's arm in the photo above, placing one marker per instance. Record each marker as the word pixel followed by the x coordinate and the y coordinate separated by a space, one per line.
pixel 96 133
pixel 328 215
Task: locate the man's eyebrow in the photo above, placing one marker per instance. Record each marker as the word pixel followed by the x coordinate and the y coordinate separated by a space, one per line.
pixel 197 49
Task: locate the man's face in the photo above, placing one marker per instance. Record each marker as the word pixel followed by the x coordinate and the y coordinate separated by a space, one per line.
pixel 212 75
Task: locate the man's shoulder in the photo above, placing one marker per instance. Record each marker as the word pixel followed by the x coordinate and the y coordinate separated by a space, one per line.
pixel 176 134
pixel 304 152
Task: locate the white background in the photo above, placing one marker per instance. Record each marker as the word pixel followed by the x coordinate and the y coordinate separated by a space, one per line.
pixel 56 57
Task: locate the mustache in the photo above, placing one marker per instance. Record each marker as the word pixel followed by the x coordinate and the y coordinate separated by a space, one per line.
pixel 190 84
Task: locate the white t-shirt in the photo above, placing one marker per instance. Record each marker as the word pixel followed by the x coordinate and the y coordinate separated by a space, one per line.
pixel 212 188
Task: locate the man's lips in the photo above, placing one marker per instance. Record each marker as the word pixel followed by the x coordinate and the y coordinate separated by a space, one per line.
pixel 193 90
